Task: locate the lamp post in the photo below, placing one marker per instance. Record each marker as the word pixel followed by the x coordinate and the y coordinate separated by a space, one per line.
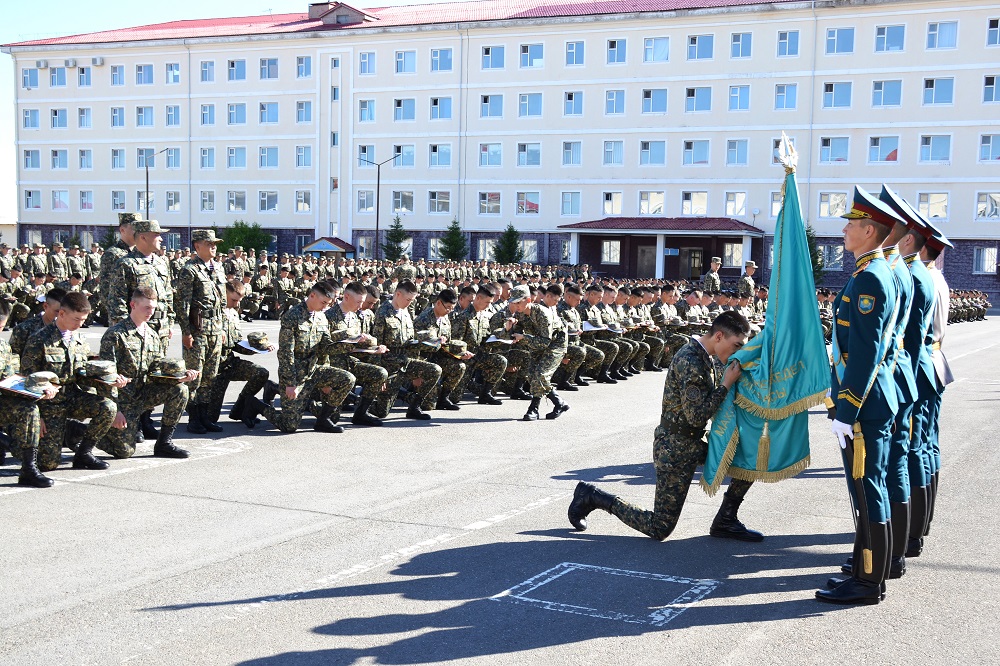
pixel 378 195
pixel 148 160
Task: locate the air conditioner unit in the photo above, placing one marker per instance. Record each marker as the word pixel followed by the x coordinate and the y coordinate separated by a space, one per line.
pixel 71 63
pixel 97 62
pixel 42 64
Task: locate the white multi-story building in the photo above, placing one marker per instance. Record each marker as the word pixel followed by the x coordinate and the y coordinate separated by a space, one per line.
pixel 640 142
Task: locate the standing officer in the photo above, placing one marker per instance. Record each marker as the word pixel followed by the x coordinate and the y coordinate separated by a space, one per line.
pixel 712 281
pixel 124 244
pixel 58 267
pixel 746 285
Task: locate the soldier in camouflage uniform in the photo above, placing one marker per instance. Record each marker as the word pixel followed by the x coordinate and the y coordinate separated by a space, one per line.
pixel 606 341
pixel 472 326
pixel 19 336
pixel 573 355
pixel 135 350
pixel 304 338
pixel 691 396
pixel 57 267
pixel 76 262
pixel 746 284
pixel 712 281
pixel 393 328
pixel 593 358
pixel 59 348
pixel 93 259
pixel 111 256
pixel 435 323
pixel 200 302
pixel 36 262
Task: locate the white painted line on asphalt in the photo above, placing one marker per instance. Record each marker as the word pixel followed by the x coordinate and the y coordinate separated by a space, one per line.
pixel 515 512
pixel 974 351
pixel 694 590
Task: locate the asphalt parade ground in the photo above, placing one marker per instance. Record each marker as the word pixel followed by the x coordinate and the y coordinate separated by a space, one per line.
pixel 447 541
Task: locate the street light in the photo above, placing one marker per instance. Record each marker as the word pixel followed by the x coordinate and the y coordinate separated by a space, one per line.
pixel 378 194
pixel 150 158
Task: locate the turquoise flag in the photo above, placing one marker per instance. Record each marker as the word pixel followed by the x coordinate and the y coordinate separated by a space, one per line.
pixel 761 431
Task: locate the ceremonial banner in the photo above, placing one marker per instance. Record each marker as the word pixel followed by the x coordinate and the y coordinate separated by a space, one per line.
pixel 761 431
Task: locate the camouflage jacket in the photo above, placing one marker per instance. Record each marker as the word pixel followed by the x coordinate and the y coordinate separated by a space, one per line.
pixel 571 320
pixel 343 325
pixel 303 338
pixel 46 351
pixel 428 321
pixel 77 264
pixel 394 329
pixel 58 266
pixel 691 392
pixel 745 286
pixel 109 260
pixel 471 327
pixel 19 336
pixel 135 270
pixel 542 329
pixel 132 352
pixel 201 298
pixel 6 360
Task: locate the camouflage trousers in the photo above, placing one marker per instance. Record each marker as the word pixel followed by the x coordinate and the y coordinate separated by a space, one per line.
pixel 76 404
pixel 19 419
pixel 428 373
pixel 370 377
pixel 606 347
pixel 675 459
pixel 250 305
pixel 572 360
pixel 518 361
pixel 204 356
pixel 235 369
pixel 489 366
pixel 172 395
pixel 452 372
pixel 627 349
pixel 671 343
pixel 641 352
pixel 656 346
pixel 540 369
pixel 593 358
pixel 340 382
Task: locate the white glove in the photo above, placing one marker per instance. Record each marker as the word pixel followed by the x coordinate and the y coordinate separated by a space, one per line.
pixel 842 430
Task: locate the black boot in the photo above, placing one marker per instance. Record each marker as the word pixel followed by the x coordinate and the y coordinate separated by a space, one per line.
pixel 726 524
pixel 563 384
pixel 518 392
pixel 900 530
pixel 931 503
pixel 586 498
pixel 74 433
pixel 414 412
pixel 558 406
pixel 165 447
pixel 270 391
pixel 251 409
pixel 445 403
pixel 146 423
pixel 486 397
pixel 864 587
pixel 919 498
pixel 326 421
pixel 236 413
pixel 362 417
pixel 616 372
pixel 605 376
pixel 532 413
pixel 194 424
pixel 652 367
pixel 84 459
pixel 579 380
pixel 30 476
pixel 206 419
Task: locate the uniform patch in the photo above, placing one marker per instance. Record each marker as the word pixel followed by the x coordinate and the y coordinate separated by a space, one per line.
pixel 693 394
pixel 866 303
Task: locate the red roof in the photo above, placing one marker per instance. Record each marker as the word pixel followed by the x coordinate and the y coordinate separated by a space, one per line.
pixel 451 12
pixel 321 244
pixel 666 224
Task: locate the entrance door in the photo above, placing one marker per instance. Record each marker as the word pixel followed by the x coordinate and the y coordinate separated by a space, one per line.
pixel 646 262
pixel 691 259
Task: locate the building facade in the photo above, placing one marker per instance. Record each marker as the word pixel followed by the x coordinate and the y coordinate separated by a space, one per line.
pixel 557 116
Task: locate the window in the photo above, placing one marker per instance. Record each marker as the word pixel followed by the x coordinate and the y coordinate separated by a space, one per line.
pixel 207 158
pixel 440 154
pixel 651 203
pixel 698 99
pixel 732 255
pixel 529 154
pixel 173 115
pixel 60 159
pixel 438 201
pixel 440 108
pixel 404 109
pixel 614 153
pixel 303 201
pixel 117 75
pixel 83 118
pixel 86 200
pixel 143 75
pixel 694 203
pixel 366 201
pixel 736 204
pixel 268 68
pixel 736 152
pixel 887 93
pixel 32 159
pixel 366 156
pixel 833 257
pixel 990 91
pixel 573 103
pixel 696 152
pixel 836 95
pixel 529 105
pixel 775 203
pixel 334 139
pixel 984 260
pixel 935 148
pixel 739 98
pixel 236 157
pixel 883 149
pixel 491 106
pixel 143 116
pixel 238 114
pixel 988 206
pixel 30 119
pixel 700 47
pixel 57 77
pixel 58 119
pixel 303 156
pixel 267 201
pixel 489 204
pixel 574 53
pixel 939 91
pixel 654 100
pixel 616 51
pixel 832 204
pixel 655 49
pixel 303 112
pixel 612 203
pixel 571 153
pixel 485 247
pixel 117 158
pixel 366 111
pixel 60 200
pixel 207 115
pixel 268 113
pixel 118 200
pixel 614 102
pixel 942 35
pixel 611 252
pixel 303 67
pixel 366 62
pixel 402 201
pixel 32 199
pixel 993 33
pixel 267 157
pixel 933 205
pixel 173 158
pixel 406 62
pixel 889 38
pixel 207 71
pixel 529 248
pixel 493 57
pixel 173 72
pixel 83 77
pixel 989 147
pixel 118 116
pixel 741 45
pixel 788 43
pixel 29 78
pixel 489 154
pixel 440 60
pixel 652 153
pixel 785 96
pixel 403 156
pixel 531 55
pixel 237 70
pixel 833 149
pixel 570 203
pixel 839 41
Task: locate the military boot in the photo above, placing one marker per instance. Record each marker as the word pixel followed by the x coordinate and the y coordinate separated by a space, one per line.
pixel 326 421
pixel 616 372
pixel 486 397
pixel 194 424
pixel 727 526
pixel 30 476
pixel 206 419
pixel 518 392
pixel 900 524
pixel 919 499
pixel 414 412
pixel 73 434
pixel 165 447
pixel 864 587
pixel 84 458
pixel 362 417
pixel 532 413
pixel 605 376
pixel 558 406
pixel 270 391
pixel 251 409
pixel 148 428
pixel 586 498
pixel 445 403
pixel 579 380
pixel 236 413
pixel 563 383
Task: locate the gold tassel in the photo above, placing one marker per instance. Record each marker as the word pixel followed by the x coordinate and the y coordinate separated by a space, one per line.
pixel 764 448
pixel 867 554
pixel 858 470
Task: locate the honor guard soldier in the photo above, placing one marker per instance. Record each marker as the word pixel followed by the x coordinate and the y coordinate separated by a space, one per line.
pixel 712 281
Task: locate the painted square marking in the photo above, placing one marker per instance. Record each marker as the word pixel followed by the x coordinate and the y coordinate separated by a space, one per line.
pixel 575 588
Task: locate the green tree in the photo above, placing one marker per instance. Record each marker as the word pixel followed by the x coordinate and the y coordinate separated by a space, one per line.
pixel 395 237
pixel 815 255
pixel 454 246
pixel 246 235
pixel 110 236
pixel 508 246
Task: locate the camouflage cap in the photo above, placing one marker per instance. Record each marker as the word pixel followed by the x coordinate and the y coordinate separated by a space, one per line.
pixel 258 340
pixel 169 367
pixel 128 218
pixel 237 248
pixel 716 260
pixel 519 293
pixel 457 348
pixel 148 227
pixel 207 235
pixel 39 245
pixel 751 264
pixel 39 382
pixel 56 244
pixel 101 371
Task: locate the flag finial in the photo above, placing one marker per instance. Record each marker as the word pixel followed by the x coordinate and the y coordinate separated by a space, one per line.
pixel 787 155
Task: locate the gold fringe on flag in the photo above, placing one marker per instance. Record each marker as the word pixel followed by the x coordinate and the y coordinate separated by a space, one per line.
pixel 782 413
pixel 712 487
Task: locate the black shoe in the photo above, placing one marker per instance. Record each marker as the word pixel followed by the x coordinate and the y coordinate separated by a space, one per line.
pixel 445 403
pixel 251 409
pixel 206 419
pixel 835 582
pixel 518 393
pixel 414 412
pixel 586 498
pixel 852 591
pixel 149 430
pixel 165 447
pixel 727 526
pixel 897 567
pixel 606 378
pixel 914 547
pixel 74 433
pixel 652 367
pixel 361 415
pixel 270 391
pixel 30 476
pixel 564 385
pixel 558 406
pixel 326 420
pixel 236 413
pixel 84 459
pixel 194 424
pixel 532 413
pixel 616 372
pixel 848 566
pixel 580 381
pixel 487 398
